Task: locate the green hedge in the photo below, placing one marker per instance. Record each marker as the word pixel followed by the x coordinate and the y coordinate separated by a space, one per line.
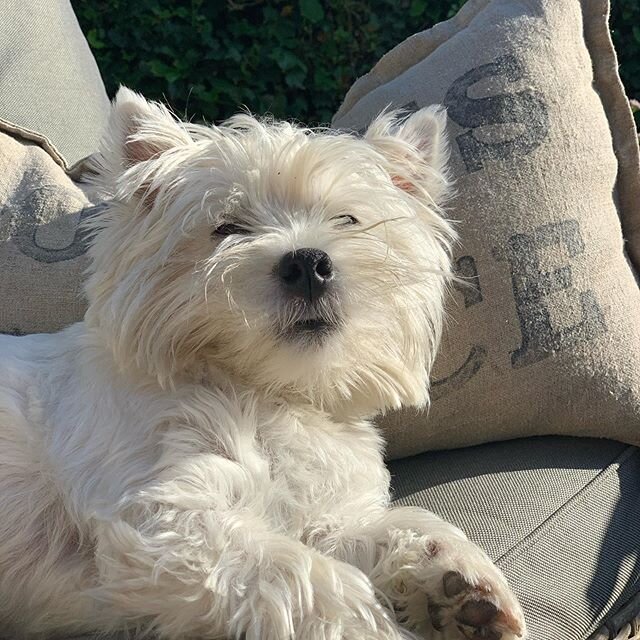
pixel 292 59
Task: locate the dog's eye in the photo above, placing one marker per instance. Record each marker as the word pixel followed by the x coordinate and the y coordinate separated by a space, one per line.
pixel 346 220
pixel 230 229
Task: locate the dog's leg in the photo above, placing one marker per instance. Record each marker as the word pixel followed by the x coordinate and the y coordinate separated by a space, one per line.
pixel 437 580
pixel 197 574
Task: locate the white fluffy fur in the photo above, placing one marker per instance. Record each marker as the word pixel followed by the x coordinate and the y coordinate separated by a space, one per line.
pixel 174 464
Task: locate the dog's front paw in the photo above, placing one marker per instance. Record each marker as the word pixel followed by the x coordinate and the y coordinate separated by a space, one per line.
pixel 475 610
pixel 469 598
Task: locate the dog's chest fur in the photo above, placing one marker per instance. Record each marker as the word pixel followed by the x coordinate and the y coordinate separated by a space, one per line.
pixel 293 465
pixel 110 442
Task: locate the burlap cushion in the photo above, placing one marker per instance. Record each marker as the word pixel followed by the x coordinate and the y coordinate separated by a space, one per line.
pixel 51 93
pixel 547 340
pixel 41 248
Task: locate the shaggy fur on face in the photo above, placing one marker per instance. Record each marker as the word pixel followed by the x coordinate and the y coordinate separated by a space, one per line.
pixel 195 458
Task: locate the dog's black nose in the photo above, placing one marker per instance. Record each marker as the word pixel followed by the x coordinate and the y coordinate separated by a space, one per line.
pixel 306 273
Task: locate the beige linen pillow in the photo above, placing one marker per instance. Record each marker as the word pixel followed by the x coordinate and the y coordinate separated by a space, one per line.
pixel 51 94
pixel 547 340
pixel 41 247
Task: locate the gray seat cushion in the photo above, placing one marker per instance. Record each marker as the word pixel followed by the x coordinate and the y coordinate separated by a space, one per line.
pixel 49 82
pixel 560 516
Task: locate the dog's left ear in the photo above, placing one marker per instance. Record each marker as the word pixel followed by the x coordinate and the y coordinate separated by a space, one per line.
pixel 137 131
pixel 416 149
pixel 140 130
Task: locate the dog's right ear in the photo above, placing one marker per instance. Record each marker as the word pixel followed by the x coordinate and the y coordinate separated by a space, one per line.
pixel 138 131
pixel 416 149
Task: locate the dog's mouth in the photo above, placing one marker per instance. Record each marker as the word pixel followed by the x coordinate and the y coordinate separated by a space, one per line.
pixel 309 332
pixel 312 326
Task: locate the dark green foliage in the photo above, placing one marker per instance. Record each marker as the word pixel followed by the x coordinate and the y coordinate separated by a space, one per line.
pixel 294 59
pixel 625 24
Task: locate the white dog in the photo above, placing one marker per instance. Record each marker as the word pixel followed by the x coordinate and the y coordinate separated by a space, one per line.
pixel 195 459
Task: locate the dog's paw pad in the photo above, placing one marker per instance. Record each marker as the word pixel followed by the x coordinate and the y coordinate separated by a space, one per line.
pixel 454 583
pixel 476 611
pixel 479 634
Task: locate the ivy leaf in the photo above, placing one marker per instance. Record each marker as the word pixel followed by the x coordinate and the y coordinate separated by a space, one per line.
pixel 95 40
pixel 162 70
pixel 311 10
pixel 417 8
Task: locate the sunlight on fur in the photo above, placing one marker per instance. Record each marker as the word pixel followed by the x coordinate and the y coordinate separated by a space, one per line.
pixel 195 459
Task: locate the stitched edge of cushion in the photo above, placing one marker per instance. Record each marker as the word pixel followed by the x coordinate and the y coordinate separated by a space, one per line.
pixel 33 136
pixel 558 516
pixel 610 89
pixel 74 171
pixel 407 54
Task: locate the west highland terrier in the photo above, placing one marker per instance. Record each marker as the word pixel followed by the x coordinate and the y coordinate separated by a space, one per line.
pixel 196 459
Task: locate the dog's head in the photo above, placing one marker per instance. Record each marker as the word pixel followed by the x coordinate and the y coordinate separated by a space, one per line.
pixel 309 263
